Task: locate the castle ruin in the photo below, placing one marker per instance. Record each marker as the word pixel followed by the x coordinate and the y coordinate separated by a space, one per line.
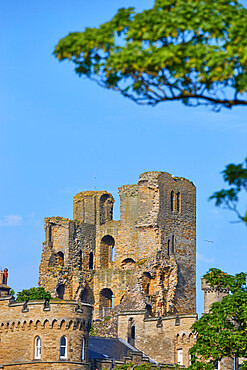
pixel 149 254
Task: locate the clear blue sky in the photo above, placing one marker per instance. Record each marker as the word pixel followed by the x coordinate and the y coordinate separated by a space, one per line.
pixel 58 131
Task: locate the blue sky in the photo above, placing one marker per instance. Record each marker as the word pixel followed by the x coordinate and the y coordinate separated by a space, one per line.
pixel 58 131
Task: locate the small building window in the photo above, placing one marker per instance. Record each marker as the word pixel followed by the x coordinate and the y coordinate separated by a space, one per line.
pixel 63 347
pixel 168 248
pixel 37 350
pixel 83 349
pixel 180 356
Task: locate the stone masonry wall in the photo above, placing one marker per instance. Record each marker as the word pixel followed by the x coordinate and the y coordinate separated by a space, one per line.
pixel 159 338
pixel 21 323
pixel 151 250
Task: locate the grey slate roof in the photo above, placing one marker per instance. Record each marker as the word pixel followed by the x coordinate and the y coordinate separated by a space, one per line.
pixel 109 348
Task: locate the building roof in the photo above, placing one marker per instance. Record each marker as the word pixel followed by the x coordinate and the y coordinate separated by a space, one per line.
pixel 109 348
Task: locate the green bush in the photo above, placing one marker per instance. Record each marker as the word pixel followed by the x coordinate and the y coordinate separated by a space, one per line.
pixel 33 294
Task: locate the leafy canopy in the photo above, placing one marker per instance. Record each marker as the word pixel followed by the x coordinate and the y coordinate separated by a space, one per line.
pixel 223 331
pixel 33 294
pixel 236 177
pixel 194 51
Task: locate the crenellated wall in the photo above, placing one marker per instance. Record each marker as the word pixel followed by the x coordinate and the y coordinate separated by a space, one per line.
pixel 21 323
pixel 160 338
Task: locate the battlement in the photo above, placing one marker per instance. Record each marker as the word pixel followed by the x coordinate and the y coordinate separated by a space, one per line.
pixel 23 322
pixel 212 294
pixel 159 337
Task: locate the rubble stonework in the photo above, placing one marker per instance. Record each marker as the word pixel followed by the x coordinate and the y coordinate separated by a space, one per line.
pixel 151 250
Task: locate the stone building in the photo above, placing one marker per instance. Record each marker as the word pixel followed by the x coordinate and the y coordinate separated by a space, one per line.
pixel 139 273
pixel 144 262
pixel 42 335
pixel 152 249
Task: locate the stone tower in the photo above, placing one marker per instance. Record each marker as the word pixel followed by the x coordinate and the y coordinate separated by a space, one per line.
pixel 212 294
pixel 146 260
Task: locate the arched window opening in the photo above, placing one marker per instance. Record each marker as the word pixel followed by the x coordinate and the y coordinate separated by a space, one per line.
pixel 178 202
pixel 106 207
pixel 106 299
pixel 87 295
pixel 173 244
pixel 91 261
pixel 168 248
pixel 60 291
pixel 107 242
pixel 172 200
pixel 128 264
pixel 63 347
pixel 37 349
pixel 113 253
pixel 60 259
pixel 83 349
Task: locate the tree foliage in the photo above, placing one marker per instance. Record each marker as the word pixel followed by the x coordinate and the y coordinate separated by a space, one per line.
pixel 236 177
pixel 194 51
pixel 33 294
pixel 223 331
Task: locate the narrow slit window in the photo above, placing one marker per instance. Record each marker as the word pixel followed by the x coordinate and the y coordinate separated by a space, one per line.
pixel 113 253
pixel 168 247
pixel 172 200
pixel 178 202
pixel 173 244
pixel 91 261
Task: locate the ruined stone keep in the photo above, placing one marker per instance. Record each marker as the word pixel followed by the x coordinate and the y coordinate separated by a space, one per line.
pixel 146 260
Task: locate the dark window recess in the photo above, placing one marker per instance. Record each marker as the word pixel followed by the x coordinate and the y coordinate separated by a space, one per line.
pixel 178 202
pixel 80 260
pixel 133 331
pixel 91 261
pixel 60 291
